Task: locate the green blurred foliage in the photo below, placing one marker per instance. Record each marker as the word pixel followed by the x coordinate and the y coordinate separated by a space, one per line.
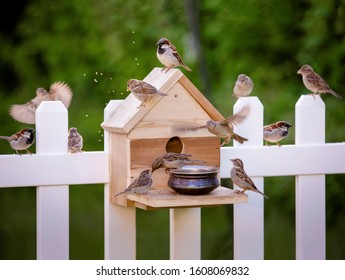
pixel 96 46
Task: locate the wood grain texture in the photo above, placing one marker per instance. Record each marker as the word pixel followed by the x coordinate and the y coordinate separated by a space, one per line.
pixel 145 151
pixel 120 176
pixel 184 101
pixel 178 113
pixel 169 199
pixel 202 100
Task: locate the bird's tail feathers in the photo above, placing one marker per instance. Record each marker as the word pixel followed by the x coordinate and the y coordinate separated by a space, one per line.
pixel 239 138
pixel 335 94
pixel 162 93
pixel 186 67
pixel 177 128
pixel 262 194
pixel 7 138
pixel 119 193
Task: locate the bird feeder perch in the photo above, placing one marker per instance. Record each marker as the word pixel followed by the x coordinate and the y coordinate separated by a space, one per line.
pixel 140 134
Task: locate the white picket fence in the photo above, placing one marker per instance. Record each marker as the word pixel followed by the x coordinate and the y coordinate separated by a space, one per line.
pixel 52 170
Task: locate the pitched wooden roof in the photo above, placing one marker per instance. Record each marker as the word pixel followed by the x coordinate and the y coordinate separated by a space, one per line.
pixel 128 115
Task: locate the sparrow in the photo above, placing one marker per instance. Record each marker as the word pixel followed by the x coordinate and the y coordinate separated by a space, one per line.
pixel 143 91
pixel 140 185
pixel 173 161
pixel 240 178
pixel 25 113
pixel 314 82
pixel 22 140
pixel 243 86
pixel 168 55
pixel 75 141
pixel 276 132
pixel 224 128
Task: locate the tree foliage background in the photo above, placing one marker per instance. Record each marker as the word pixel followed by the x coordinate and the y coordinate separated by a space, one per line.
pixel 96 46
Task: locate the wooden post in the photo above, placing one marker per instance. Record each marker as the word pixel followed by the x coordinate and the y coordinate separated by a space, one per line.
pixel 185 234
pixel 310 189
pixel 52 201
pixel 249 217
pixel 119 221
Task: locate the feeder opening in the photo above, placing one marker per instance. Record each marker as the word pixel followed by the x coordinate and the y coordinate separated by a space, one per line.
pixel 174 145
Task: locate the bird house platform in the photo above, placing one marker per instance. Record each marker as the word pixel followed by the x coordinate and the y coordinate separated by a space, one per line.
pixel 140 134
pixel 165 198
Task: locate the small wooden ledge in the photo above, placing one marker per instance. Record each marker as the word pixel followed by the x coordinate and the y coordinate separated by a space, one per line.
pixel 166 198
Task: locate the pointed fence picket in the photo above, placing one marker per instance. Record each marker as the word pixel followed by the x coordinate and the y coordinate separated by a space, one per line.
pixel 309 160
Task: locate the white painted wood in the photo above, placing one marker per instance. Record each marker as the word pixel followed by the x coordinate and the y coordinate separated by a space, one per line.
pixel 78 168
pixel 309 159
pixel 93 166
pixel 119 222
pixel 52 202
pixel 185 234
pixel 288 160
pixel 249 217
pixel 310 190
pixel 52 223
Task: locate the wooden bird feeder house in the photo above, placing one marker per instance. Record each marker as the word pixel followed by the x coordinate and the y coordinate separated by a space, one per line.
pixel 140 134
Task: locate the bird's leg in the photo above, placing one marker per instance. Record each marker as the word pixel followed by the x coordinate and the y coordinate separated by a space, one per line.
pixel 279 145
pixel 313 94
pixel 239 192
pixel 142 105
pixel 226 141
pixel 167 69
pixel 18 153
pixel 167 170
pixel 28 152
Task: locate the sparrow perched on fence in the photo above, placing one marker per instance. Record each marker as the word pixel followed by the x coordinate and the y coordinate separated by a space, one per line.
pixel 240 178
pixel 22 140
pixel 173 161
pixel 314 82
pixel 143 91
pixel 243 86
pixel 25 113
pixel 75 141
pixel 168 55
pixel 140 185
pixel 276 132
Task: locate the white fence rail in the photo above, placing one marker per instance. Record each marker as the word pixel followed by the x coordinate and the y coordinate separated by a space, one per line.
pixel 309 160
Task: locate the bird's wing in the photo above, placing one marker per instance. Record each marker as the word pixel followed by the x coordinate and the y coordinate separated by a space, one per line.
pixel 61 91
pixel 144 87
pixel 243 176
pixel 157 163
pixel 268 128
pixel 176 156
pixel 25 113
pixel 318 81
pixel 75 140
pixel 238 117
pixel 176 54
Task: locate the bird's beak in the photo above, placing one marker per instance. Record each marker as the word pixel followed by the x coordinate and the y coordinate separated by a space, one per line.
pixel 299 71
pixel 128 89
